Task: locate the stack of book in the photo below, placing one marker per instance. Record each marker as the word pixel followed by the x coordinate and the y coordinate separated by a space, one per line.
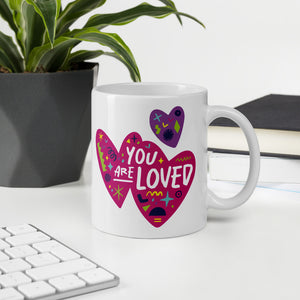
pixel 276 120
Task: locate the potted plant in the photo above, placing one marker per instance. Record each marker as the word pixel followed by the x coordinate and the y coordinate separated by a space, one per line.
pixel 45 85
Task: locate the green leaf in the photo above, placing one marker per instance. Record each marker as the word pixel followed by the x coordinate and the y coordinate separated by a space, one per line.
pixel 168 3
pixel 7 14
pixel 48 59
pixel 191 17
pixel 33 27
pixel 126 64
pixel 100 21
pixel 83 55
pixel 5 61
pixel 16 7
pixel 31 30
pixel 124 17
pixel 10 50
pixel 48 11
pixel 115 43
pixel 172 4
pixel 178 14
pixel 75 10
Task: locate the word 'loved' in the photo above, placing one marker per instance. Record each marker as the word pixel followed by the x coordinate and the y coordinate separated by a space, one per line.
pixel 150 173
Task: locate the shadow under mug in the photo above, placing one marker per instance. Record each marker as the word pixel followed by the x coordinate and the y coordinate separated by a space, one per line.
pixel 149 168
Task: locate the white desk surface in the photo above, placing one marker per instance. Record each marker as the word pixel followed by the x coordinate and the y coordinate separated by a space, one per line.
pixel 252 252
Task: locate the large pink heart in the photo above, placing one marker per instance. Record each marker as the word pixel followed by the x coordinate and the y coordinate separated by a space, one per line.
pixel 110 161
pixel 158 185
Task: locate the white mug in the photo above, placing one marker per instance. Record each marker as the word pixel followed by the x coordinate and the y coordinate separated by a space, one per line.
pixel 149 168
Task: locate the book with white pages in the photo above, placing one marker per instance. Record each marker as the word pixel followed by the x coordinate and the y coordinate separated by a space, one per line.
pixel 276 122
pixel 235 167
pixel 231 188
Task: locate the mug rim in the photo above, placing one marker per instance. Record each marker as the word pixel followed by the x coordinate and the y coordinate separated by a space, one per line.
pixel 150 89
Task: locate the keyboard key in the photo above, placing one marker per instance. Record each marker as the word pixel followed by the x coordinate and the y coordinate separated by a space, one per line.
pixel 10 294
pixel 96 276
pixel 67 283
pixel 65 253
pixel 21 229
pixel 42 259
pixel 3 245
pixel 13 279
pixel 14 265
pixel 20 251
pixel 3 233
pixel 57 249
pixel 3 256
pixel 29 238
pixel 46 246
pixel 36 289
pixel 57 270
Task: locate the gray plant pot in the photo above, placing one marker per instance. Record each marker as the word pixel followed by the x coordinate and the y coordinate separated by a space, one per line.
pixel 44 126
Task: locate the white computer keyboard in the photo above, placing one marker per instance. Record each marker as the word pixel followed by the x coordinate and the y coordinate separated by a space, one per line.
pixel 33 265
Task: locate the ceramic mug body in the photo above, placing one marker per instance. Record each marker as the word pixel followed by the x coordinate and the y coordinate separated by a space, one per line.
pixel 149 169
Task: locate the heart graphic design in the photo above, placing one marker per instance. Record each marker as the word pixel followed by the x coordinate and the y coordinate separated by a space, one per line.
pixel 167 128
pixel 158 185
pixel 109 159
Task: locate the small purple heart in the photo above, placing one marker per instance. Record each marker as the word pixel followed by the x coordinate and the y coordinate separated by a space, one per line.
pixel 167 128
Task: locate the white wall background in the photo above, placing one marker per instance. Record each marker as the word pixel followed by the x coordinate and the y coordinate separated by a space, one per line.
pixel 249 49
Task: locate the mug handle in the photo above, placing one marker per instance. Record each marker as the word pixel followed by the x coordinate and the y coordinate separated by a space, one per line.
pixel 215 201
